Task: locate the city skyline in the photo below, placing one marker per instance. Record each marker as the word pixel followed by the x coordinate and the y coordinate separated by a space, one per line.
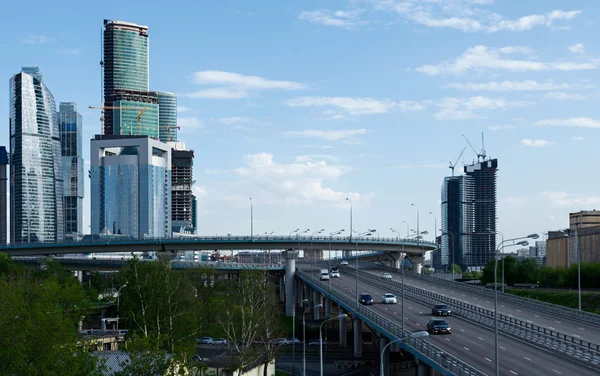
pixel 358 100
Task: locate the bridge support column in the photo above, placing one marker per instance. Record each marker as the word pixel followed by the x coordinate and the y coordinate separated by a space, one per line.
pixel 383 341
pixel 281 290
pixel 327 307
pixel 343 340
pixel 290 277
pixel 316 300
pixel 417 262
pixel 357 330
pixel 424 369
pixel 299 295
pixel 79 275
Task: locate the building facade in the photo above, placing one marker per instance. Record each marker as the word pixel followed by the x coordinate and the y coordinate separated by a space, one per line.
pixel 70 128
pixel 182 180
pixel 556 249
pixel 4 160
pixel 483 239
pixel 127 106
pixel 457 221
pixel 125 62
pixel 36 189
pixel 579 221
pixel 131 186
pixel 167 117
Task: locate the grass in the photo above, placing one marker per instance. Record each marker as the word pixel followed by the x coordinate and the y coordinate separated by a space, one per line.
pixel 281 373
pixel 590 301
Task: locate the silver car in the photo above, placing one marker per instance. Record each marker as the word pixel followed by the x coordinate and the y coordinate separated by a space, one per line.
pixel 389 299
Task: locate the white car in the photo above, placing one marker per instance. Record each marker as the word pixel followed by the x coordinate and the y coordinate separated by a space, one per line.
pixel 386 276
pixel 324 276
pixel 334 273
pixel 389 299
pixel 344 262
pixel 219 341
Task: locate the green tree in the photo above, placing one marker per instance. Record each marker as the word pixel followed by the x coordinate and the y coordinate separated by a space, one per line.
pixel 527 271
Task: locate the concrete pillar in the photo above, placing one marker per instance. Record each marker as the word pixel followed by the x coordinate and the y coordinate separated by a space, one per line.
pixel 398 262
pixel 357 331
pixel 290 277
pixel 299 296
pixel 424 369
pixel 281 290
pixel 79 275
pixel 327 307
pixel 343 340
pixel 417 262
pixel 316 300
pixel 383 341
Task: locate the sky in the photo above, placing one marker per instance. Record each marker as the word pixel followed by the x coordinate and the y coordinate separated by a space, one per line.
pixel 302 104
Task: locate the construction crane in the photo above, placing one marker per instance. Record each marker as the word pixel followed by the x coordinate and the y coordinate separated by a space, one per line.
pixel 140 110
pixel 482 153
pixel 457 159
pixel 169 127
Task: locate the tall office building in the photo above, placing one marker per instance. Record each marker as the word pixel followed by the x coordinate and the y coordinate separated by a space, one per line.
pixel 3 196
pixel 194 214
pixel 483 240
pixel 129 104
pixel 36 189
pixel 126 65
pixel 182 180
pixel 70 128
pixel 167 117
pixel 457 221
pixel 131 186
pixel 436 258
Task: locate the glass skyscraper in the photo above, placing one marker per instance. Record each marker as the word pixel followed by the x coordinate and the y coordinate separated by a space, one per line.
pixel 167 116
pixel 130 186
pixel 125 62
pixel 36 183
pixel 125 121
pixel 457 221
pixel 70 127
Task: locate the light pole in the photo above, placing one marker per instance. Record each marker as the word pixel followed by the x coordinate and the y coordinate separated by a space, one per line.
pixel 368 233
pixel 251 219
pixel 118 300
pixel 419 334
pixel 417 216
pixel 566 234
pixel 330 237
pixel 350 201
pixel 293 232
pixel 434 225
pixel 451 252
pixel 321 336
pixel 311 249
pixel 304 333
pixel 407 228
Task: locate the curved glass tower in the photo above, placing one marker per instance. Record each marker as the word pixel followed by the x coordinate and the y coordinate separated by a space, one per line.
pixel 36 186
pixel 167 116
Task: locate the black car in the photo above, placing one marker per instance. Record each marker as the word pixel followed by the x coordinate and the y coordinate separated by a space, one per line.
pixel 441 310
pixel 436 326
pixel 365 299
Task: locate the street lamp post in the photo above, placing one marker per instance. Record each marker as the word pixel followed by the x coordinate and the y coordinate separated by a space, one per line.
pixel 577 251
pixel 407 228
pixel 304 334
pixel 434 225
pixel 417 217
pixel 368 233
pixel 321 337
pixel 451 252
pixel 311 249
pixel 350 201
pixel 251 219
pixel 118 300
pixel 419 334
pixel 330 237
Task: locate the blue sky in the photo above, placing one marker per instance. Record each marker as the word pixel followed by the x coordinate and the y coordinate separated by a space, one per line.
pixel 300 104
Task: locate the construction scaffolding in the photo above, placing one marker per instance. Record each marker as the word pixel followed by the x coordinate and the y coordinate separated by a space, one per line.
pixel 182 180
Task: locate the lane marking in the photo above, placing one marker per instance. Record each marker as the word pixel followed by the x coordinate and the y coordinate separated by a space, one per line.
pixel 489 360
pixel 527 358
pixel 558 322
pixel 422 312
pixel 420 324
pixel 551 328
pixel 462 330
pixel 576 335
pixel 560 373
pixel 466 348
pixel 518 310
pixel 581 328
pixel 487 302
pixel 447 339
pixel 536 316
pixel 513 372
pixel 480 338
pixel 503 348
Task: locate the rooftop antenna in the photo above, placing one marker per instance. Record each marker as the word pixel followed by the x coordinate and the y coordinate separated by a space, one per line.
pixel 457 159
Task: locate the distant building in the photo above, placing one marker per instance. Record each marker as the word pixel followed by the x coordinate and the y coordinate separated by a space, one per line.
pixel 556 249
pixel 36 189
pixel 182 180
pixel 168 117
pixel 131 186
pixel 436 258
pixel 578 221
pixel 70 128
pixel 129 105
pixel 483 241
pixel 457 220
pixel 4 160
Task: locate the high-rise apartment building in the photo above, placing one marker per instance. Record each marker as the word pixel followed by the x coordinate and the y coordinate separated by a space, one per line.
pixel 36 189
pixel 457 221
pixel 126 64
pixel 131 186
pixel 483 242
pixel 167 117
pixel 70 128
pixel 3 196
pixel 182 180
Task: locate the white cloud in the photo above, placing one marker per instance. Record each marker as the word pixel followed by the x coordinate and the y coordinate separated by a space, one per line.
pixel 182 109
pixel 527 85
pixel 482 57
pixel 327 135
pixel 233 120
pixel 340 18
pixel 294 183
pixel 199 191
pixel 235 85
pixel 564 199
pixel 501 127
pixel 465 108
pixel 356 106
pixel 317 146
pixel 37 39
pixel 562 96
pixel 578 138
pixel 188 124
pixel 536 143
pixel 421 166
pixel 577 48
pixel 317 158
pixel 468 16
pixel 580 122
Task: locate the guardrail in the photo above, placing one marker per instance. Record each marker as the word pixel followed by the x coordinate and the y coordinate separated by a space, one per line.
pixel 582 351
pixel 553 309
pixel 423 349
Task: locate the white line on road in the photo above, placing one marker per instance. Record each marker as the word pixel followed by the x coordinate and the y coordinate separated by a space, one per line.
pixel 513 372
pixel 420 324
pixel 480 338
pixel 487 302
pixel 558 322
pixel 536 316
pixel 447 339
pixel 466 348
pixel 581 328
pixel 422 312
pixel 560 373
pixel 503 348
pixel 462 330
pixel 576 335
pixel 474 298
pixel 489 360
pixel 551 328
pixel 502 306
pixel 518 310
pixel 527 358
